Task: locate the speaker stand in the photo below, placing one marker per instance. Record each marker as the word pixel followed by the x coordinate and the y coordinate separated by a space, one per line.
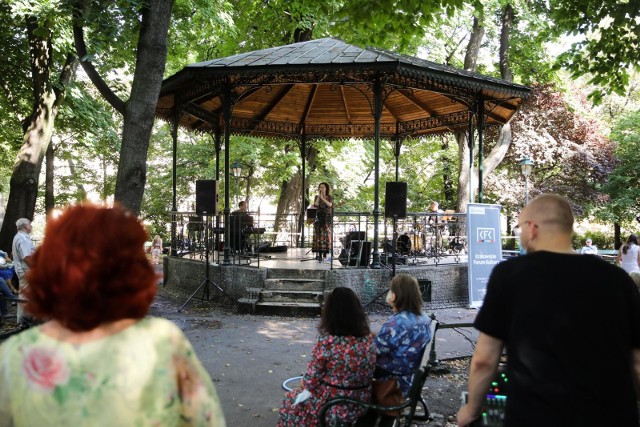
pixel 207 282
pixel 394 247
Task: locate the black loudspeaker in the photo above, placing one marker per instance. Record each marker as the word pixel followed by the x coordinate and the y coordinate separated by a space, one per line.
pixel 206 197
pixel 395 201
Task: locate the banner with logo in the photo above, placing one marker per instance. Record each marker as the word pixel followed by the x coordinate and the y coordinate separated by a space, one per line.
pixel 484 248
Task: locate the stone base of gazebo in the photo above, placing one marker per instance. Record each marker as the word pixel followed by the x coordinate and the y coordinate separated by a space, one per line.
pixel 258 289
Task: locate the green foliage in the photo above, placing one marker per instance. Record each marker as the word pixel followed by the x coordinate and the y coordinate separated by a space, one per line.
pixel 198 28
pixel 571 155
pixel 529 58
pixel 608 33
pixel 622 185
pixel 599 239
pixel 392 24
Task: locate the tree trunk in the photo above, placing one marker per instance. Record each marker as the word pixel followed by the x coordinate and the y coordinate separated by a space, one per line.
pixel 462 138
pixel 289 200
pixel 140 110
pixel 49 198
pixel 495 157
pixel 616 235
pixel 82 193
pixel 507 22
pixel 463 174
pixel 475 40
pixel 23 187
pixel 447 179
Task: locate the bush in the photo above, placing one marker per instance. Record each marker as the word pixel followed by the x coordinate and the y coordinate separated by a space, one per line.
pixel 600 240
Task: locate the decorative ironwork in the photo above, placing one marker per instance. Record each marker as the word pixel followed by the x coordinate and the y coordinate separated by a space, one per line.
pixel 201 113
pixel 445 121
pixel 247 126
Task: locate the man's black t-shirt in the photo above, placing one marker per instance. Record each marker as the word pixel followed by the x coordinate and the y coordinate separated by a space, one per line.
pixel 569 323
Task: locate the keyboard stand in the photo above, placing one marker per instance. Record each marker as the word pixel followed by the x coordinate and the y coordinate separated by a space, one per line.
pixel 359 257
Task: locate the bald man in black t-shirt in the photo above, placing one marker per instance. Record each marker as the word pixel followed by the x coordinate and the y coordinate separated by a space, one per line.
pixel 571 328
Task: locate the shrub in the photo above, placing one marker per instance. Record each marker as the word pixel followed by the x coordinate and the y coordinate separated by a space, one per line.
pixel 600 240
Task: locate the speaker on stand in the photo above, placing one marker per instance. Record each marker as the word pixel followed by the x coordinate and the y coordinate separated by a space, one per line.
pixel 207 201
pixel 395 206
pixel 206 198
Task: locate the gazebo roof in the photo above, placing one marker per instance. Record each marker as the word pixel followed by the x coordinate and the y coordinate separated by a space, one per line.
pixel 324 88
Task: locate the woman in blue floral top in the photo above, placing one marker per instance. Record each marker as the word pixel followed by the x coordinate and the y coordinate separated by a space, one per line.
pixel 402 339
pixel 342 364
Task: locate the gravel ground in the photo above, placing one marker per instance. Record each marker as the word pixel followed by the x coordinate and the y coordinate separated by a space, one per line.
pixel 249 356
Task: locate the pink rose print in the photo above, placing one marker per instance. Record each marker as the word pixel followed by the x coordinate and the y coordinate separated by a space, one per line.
pixel 188 380
pixel 44 368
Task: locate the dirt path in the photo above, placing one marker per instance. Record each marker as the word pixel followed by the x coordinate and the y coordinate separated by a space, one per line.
pixel 249 357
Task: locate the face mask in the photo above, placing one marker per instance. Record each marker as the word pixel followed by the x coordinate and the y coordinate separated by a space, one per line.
pixel 523 250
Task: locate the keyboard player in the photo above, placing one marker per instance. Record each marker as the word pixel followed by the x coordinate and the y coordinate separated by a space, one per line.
pixel 240 221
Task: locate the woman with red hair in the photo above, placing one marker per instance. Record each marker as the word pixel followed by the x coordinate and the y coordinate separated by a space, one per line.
pixel 97 360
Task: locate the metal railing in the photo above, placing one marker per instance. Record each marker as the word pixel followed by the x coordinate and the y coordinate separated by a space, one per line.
pixel 421 236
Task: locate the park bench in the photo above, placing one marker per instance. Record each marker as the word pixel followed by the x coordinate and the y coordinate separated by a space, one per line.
pixel 608 255
pixel 409 406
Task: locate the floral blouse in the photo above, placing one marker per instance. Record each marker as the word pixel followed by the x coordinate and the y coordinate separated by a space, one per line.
pixel 401 343
pixel 339 366
pixel 146 375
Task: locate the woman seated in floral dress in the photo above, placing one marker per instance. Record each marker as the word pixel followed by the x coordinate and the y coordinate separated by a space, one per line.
pixel 97 360
pixel 342 364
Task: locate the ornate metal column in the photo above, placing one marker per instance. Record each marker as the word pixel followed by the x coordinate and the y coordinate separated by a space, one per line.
pixel 303 204
pixel 217 138
pixel 470 144
pixel 480 145
pixel 396 150
pixel 174 176
pixel 226 116
pixel 377 114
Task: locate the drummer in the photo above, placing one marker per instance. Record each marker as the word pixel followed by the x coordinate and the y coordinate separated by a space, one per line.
pixel 436 223
pixel 434 208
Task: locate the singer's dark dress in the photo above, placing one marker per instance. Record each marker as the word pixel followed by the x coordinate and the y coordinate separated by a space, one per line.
pixel 322 227
pixel 570 324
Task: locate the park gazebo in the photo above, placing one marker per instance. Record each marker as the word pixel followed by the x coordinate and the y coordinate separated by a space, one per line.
pixel 329 89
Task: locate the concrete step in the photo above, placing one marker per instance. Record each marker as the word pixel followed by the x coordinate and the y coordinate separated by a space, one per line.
pixel 287 308
pixel 288 304
pixel 291 296
pixel 305 284
pixel 282 273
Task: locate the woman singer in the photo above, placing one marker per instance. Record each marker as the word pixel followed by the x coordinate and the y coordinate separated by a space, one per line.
pixel 322 225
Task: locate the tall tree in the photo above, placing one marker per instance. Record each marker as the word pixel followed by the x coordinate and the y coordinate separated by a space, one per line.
pixel 51 71
pixel 139 110
pixel 507 16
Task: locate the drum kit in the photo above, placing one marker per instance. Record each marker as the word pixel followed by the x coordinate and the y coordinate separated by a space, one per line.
pixel 431 237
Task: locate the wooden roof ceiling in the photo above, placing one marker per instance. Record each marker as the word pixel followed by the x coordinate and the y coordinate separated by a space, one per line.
pixel 324 88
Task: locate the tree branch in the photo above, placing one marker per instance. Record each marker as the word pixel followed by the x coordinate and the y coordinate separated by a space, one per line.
pixel 475 39
pixel 67 75
pixel 81 49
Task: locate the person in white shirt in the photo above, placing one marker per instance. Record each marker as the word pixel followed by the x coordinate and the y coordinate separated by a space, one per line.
pixel 629 255
pixel 22 249
pixel 588 248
